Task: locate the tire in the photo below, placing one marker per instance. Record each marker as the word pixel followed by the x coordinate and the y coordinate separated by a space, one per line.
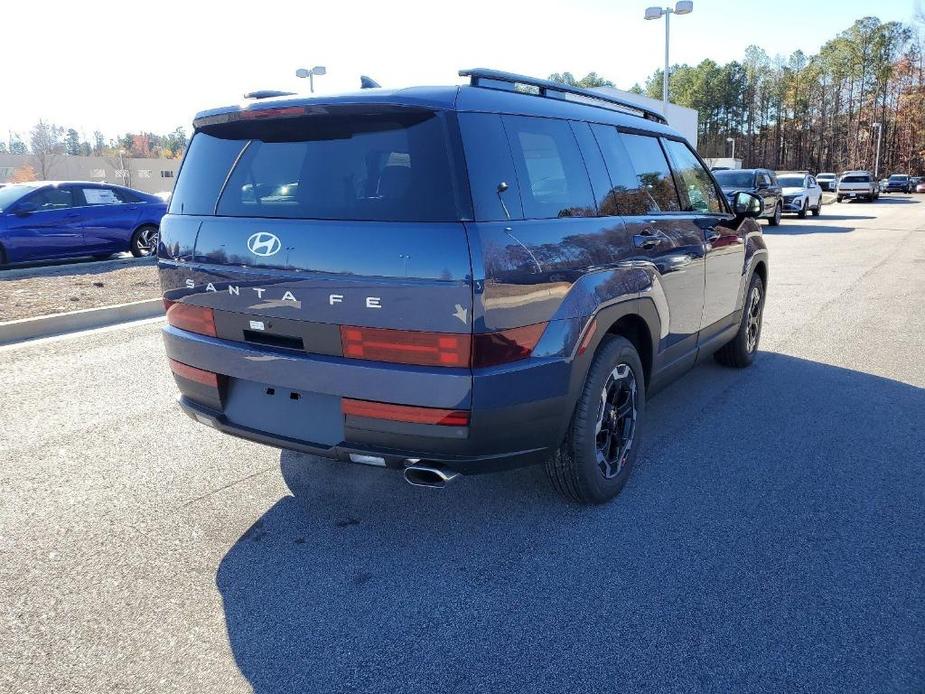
pixel 838 198
pixel 740 351
pixel 142 240
pixel 802 213
pixel 596 458
pixel 774 220
pixel 817 210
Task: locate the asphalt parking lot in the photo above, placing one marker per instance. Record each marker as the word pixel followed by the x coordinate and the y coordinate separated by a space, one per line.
pixel 772 537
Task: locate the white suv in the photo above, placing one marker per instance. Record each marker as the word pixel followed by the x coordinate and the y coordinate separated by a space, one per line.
pixel 857 184
pixel 801 193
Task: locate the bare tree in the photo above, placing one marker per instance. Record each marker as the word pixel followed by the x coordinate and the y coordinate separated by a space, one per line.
pixel 46 140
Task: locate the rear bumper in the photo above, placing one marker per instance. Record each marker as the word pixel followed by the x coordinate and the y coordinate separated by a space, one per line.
pixel 518 412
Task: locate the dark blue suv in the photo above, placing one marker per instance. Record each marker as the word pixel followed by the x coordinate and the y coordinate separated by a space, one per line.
pixel 452 280
pixel 46 220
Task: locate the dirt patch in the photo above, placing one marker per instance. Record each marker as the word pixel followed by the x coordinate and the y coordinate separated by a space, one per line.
pixel 38 295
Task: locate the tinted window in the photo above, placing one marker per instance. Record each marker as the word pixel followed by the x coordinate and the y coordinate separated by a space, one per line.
pixel 651 169
pixel 763 179
pixel 627 195
pixel 393 166
pixel 53 199
pixel 735 179
pixel 860 178
pixel 203 173
pixel 488 160
pixel 697 186
pixel 551 173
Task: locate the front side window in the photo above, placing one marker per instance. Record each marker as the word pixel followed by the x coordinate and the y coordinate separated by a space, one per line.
pixel 52 199
pixel 627 196
pixel 551 172
pixel 697 186
pixel 651 170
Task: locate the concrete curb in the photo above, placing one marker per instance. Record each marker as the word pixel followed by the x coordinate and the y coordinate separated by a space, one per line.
pixel 74 321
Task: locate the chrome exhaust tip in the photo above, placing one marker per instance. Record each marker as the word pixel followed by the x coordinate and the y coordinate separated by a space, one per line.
pixel 429 476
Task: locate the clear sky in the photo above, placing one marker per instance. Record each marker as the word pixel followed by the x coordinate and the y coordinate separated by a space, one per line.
pixel 150 65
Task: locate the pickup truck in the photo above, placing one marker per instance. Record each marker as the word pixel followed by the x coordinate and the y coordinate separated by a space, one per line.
pixel 857 184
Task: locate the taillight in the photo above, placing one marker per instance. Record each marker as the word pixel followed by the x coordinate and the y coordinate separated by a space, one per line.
pixel 191 373
pixel 440 349
pixel 406 347
pixel 405 413
pixel 506 345
pixel 196 319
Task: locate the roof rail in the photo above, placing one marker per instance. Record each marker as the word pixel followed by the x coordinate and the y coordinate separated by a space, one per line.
pixel 508 81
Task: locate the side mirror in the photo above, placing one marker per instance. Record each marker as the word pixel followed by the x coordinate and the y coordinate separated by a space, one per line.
pixel 24 209
pixel 747 205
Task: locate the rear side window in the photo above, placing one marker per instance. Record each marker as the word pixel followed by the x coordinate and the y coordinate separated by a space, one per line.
pixel 394 166
pixel 488 160
pixel 205 168
pixel 698 189
pixel 550 170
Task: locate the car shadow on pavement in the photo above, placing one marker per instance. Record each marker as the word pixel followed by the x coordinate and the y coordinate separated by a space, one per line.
pixel 70 268
pixel 771 538
pixel 799 226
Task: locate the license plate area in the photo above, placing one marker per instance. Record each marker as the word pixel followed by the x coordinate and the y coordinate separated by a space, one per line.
pixel 312 418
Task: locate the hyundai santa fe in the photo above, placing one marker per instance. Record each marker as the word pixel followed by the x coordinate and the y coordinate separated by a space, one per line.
pixel 452 280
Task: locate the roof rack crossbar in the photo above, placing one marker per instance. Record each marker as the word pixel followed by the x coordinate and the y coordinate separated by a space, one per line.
pixel 484 77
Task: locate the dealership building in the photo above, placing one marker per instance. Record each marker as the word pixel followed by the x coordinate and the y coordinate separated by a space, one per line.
pixel 148 175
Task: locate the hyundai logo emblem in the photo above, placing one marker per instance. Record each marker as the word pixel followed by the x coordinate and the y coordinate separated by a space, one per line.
pixel 264 244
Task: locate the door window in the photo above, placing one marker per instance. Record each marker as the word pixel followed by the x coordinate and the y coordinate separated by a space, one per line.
pixel 697 188
pixel 651 170
pixel 763 179
pixel 101 196
pixel 552 175
pixel 52 199
pixel 627 195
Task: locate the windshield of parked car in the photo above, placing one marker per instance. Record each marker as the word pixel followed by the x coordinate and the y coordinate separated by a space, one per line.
pixel 735 179
pixel 899 177
pixel 10 194
pixel 790 181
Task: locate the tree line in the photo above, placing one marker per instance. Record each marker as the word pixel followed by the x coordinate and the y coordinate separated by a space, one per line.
pixel 822 112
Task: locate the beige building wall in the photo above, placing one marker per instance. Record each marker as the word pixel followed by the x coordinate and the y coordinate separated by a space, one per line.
pixel 148 175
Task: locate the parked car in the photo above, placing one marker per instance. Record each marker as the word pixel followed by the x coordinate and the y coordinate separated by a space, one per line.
pixel 44 220
pixel 857 184
pixel 760 182
pixel 801 192
pixel 468 278
pixel 898 183
pixel 920 187
pixel 827 181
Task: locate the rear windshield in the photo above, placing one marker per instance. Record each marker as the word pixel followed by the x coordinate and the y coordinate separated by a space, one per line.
pixel 735 179
pixel 399 165
pixel 859 178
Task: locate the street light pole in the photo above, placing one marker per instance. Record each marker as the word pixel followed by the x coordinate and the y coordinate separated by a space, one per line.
pixel 317 70
pixel 879 127
pixel 681 7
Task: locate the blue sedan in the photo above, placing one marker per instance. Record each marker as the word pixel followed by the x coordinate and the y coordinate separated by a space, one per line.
pixel 48 220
